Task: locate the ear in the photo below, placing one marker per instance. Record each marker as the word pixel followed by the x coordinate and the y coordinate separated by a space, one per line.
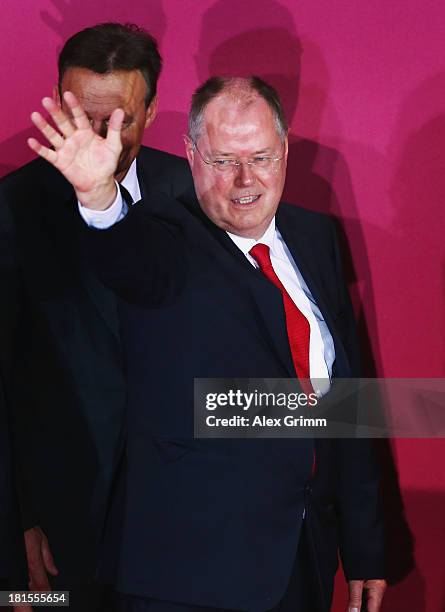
pixel 56 95
pixel 189 149
pixel 286 150
pixel 151 112
pixel 286 147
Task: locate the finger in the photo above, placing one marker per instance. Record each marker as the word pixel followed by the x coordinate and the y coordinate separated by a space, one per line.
pixel 355 595
pixel 48 557
pixel 59 117
pixel 79 116
pixel 47 130
pixel 38 579
pixel 375 590
pixel 114 129
pixel 44 152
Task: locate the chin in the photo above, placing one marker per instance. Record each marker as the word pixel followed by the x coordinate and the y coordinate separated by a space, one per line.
pixel 245 232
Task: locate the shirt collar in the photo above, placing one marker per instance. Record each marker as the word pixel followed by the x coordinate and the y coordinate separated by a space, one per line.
pixel 268 238
pixel 131 183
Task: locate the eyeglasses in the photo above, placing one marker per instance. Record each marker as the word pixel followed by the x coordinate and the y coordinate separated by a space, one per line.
pixel 261 163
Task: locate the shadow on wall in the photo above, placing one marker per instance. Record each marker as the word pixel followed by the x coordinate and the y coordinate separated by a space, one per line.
pixel 65 18
pixel 420 591
pixel 317 176
pixel 70 16
pixel 424 589
pixel 412 254
pixel 417 191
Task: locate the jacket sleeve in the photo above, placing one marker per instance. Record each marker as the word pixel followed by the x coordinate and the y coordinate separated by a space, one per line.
pixel 362 533
pixel 11 312
pixel 142 257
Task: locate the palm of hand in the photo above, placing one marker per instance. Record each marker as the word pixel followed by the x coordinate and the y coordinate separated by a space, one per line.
pixel 86 160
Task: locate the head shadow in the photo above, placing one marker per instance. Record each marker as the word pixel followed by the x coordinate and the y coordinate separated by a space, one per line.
pixel 318 176
pixel 70 16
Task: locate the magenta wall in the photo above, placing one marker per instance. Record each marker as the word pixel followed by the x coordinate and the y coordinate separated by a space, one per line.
pixel 367 145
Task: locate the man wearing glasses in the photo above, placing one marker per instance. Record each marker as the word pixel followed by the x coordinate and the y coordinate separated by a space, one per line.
pixel 227 282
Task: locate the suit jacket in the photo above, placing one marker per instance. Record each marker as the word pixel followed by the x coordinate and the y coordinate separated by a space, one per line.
pixel 13 567
pixel 217 522
pixel 61 359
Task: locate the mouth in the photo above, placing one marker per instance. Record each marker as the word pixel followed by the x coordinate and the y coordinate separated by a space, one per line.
pixel 247 200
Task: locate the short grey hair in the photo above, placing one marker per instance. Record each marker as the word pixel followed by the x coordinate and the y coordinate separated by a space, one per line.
pixel 240 88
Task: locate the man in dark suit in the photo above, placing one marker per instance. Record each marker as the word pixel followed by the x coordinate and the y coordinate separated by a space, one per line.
pixel 226 283
pixel 60 342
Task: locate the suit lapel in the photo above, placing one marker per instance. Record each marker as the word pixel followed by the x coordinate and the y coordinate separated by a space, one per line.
pixel 269 302
pixel 142 173
pixel 302 249
pixel 259 299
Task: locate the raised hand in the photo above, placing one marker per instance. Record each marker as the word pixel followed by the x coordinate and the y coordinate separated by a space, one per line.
pixel 86 160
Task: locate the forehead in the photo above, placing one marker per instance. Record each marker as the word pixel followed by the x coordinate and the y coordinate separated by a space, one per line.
pixel 234 121
pixel 122 88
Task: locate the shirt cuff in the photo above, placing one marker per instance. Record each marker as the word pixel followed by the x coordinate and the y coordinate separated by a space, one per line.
pixel 103 219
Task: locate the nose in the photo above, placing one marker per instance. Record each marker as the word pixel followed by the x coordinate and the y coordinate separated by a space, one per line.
pixel 244 174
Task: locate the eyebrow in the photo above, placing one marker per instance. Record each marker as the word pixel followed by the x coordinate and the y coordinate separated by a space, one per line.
pixel 126 117
pixel 259 152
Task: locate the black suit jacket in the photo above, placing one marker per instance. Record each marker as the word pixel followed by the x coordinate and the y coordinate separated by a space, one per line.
pixel 216 522
pixel 61 359
pixel 11 545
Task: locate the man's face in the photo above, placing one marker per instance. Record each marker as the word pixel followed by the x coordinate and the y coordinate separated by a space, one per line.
pixel 243 200
pixel 101 94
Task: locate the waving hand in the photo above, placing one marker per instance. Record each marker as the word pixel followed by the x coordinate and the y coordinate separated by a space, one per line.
pixel 86 160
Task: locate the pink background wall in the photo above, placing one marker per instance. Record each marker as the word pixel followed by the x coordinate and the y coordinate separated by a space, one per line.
pixel 367 145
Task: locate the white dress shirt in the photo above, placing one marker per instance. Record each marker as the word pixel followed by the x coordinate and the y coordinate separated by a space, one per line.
pixel 103 219
pixel 321 344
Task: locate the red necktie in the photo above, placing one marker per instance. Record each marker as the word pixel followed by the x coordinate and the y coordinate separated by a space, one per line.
pixel 298 328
